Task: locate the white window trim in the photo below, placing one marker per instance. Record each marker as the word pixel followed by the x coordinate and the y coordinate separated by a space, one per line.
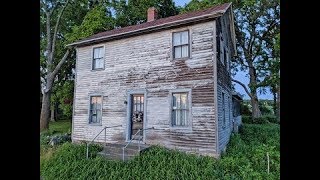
pixel 89 108
pixel 104 56
pixel 189 44
pixel 189 120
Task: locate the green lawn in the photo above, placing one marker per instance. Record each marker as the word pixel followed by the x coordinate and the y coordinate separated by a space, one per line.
pixel 245 159
pixel 59 127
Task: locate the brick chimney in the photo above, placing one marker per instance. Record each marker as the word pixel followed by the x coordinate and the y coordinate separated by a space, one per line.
pixel 152 14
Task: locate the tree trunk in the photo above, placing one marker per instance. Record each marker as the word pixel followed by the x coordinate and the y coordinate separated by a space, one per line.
pixel 254 97
pixel 53 113
pixel 45 111
pixel 255 106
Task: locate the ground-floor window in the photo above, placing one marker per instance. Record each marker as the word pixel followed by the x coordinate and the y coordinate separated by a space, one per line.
pixel 180 109
pixel 95 110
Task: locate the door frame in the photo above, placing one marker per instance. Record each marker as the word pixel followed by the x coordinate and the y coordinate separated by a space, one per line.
pixel 129 112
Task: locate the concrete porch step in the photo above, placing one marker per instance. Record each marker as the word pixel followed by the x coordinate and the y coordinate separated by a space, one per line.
pixel 114 150
pixel 116 156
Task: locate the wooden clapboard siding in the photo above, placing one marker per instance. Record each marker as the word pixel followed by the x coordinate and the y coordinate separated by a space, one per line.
pixel 224 82
pixel 145 62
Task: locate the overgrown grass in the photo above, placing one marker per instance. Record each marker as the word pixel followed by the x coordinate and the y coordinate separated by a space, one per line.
pixel 61 126
pixel 245 159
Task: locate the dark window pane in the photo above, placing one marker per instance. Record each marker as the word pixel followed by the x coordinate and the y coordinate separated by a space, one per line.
pixel 95 109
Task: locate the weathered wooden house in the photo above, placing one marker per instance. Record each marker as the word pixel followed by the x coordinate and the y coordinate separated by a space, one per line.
pixel 169 77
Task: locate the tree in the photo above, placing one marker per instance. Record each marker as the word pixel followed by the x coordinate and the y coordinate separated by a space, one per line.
pixel 273 80
pixel 56 19
pixel 135 12
pixel 256 25
pixel 49 8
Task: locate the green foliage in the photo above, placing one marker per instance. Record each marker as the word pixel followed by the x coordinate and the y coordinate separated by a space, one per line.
pixel 260 120
pixel 271 118
pixel 65 98
pixel 245 109
pixel 58 127
pixel 261 133
pixel 135 12
pixel 245 159
pixel 246 119
pixel 265 119
pixel 194 5
pixel 96 20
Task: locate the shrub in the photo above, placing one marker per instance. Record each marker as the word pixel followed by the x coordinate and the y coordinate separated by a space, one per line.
pixel 246 119
pixel 245 109
pixel 272 118
pixel 260 120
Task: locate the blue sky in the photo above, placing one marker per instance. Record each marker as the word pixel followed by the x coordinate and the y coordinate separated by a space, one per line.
pixel 241 75
pixel 181 2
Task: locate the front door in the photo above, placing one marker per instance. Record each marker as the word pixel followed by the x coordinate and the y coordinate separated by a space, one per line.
pixel 137 115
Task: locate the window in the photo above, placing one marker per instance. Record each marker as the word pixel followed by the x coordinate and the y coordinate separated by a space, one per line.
pixel 223 111
pixel 95 110
pixel 221 49
pixel 226 60
pixel 181 44
pixel 180 109
pixel 98 62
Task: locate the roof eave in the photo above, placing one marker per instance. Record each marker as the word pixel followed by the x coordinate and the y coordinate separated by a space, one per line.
pixel 153 28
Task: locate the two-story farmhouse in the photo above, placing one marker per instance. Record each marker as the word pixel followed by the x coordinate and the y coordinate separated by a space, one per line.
pixel 170 74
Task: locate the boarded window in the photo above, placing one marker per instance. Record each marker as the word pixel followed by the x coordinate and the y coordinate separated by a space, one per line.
pixel 95 110
pixel 181 44
pixel 98 62
pixel 180 109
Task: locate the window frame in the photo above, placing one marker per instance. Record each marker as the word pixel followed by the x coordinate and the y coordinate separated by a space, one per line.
pixel 173 46
pixel 188 125
pixel 92 57
pixel 89 110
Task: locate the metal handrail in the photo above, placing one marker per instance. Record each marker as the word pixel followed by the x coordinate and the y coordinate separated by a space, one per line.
pixel 105 137
pixel 140 130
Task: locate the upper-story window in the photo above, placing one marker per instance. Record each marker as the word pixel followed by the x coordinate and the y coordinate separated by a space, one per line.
pixel 180 44
pixel 98 60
